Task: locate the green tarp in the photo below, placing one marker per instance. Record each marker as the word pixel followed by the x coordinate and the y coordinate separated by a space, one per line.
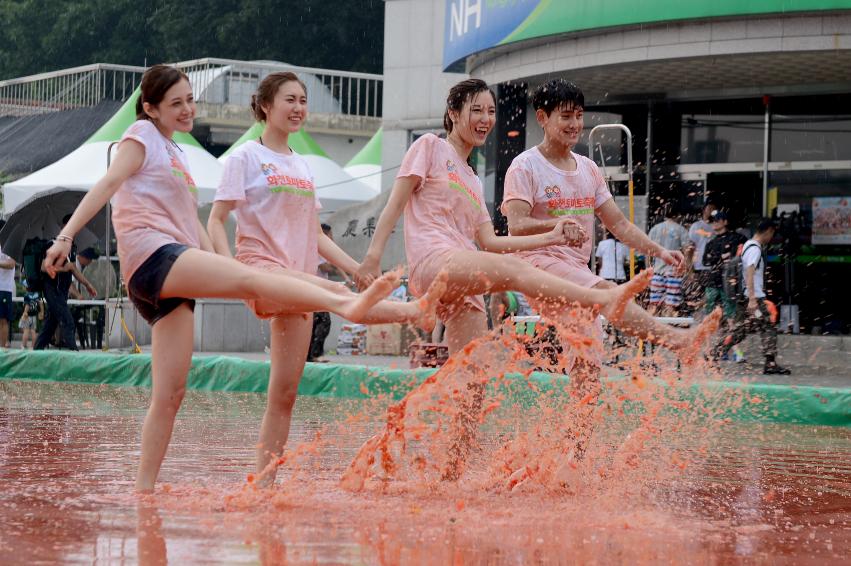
pixel 763 401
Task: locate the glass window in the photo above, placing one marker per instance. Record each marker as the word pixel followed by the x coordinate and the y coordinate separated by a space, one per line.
pixel 714 138
pixel 810 138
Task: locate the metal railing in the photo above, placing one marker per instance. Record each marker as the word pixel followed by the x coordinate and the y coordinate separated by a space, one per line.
pixel 215 82
pixel 78 87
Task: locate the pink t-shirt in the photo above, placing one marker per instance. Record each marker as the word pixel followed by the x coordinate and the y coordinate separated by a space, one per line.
pixel 158 204
pixel 276 207
pixel 555 193
pixel 448 204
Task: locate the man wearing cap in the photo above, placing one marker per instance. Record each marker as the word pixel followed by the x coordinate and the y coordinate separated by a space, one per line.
pixel 723 246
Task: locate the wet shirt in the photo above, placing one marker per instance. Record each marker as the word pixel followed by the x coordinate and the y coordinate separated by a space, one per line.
pixel 276 207
pixel 554 193
pixel 158 204
pixel 447 206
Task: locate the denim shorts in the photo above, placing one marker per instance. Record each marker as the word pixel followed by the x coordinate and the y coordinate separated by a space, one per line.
pixel 147 283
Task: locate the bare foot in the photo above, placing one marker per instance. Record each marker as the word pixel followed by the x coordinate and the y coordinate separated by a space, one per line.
pixel 695 338
pixel 380 288
pixel 623 294
pixel 426 314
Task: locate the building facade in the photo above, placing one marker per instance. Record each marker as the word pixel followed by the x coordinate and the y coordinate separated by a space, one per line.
pixel 747 104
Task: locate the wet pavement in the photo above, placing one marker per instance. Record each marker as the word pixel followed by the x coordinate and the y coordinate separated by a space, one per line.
pixel 744 493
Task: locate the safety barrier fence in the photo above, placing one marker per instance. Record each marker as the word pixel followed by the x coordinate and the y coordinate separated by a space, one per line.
pixel 763 402
pixel 217 82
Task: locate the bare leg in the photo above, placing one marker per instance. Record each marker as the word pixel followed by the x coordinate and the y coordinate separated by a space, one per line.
pixel 197 273
pixel 462 329
pixel 473 273
pixel 172 338
pixel 420 312
pixel 290 341
pixel 686 343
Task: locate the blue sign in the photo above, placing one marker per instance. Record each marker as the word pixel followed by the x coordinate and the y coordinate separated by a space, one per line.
pixel 474 25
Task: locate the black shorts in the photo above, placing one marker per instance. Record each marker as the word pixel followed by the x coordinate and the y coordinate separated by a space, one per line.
pixel 147 283
pixel 7 307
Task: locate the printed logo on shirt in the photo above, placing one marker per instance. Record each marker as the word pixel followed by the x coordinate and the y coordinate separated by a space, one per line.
pixel 558 206
pixel 179 171
pixel 279 183
pixel 457 184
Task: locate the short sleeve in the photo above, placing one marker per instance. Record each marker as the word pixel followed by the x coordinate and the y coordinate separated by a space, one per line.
pixel 601 190
pixel 599 252
pixel 751 256
pixel 141 131
pixel 417 160
pixel 232 185
pixel 519 185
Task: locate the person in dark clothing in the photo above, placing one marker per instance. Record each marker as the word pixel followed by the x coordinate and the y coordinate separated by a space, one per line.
pixel 722 247
pixel 322 320
pixel 56 296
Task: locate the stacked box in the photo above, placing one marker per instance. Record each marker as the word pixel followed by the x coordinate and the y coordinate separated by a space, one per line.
pixel 352 340
pixel 390 339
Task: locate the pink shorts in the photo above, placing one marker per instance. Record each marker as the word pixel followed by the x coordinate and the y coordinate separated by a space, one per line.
pixel 576 273
pixel 580 275
pixel 424 272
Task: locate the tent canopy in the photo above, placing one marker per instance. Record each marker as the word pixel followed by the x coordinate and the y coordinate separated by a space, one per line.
pixel 83 167
pixel 365 166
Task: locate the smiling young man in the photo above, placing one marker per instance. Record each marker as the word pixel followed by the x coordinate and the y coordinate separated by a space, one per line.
pixel 550 182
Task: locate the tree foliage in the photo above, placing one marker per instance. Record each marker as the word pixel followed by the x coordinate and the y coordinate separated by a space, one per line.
pixel 46 35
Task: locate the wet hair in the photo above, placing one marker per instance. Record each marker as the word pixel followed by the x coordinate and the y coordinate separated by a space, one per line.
pixel 557 93
pixel 265 95
pixel 155 83
pixel 765 225
pixel 459 94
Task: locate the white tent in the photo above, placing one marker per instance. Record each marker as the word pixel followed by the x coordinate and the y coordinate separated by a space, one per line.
pixel 366 165
pixel 336 188
pixel 84 166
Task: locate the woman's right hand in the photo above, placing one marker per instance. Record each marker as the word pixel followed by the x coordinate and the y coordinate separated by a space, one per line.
pixel 56 256
pixel 369 271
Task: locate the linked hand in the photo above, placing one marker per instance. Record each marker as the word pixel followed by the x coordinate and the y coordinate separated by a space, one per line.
pixel 368 272
pixel 56 257
pixel 574 233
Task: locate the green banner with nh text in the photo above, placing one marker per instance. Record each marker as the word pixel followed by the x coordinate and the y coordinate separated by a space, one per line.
pixel 475 25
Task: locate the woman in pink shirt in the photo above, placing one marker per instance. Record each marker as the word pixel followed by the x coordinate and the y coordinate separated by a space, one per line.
pixel 167 258
pixel 270 188
pixel 448 227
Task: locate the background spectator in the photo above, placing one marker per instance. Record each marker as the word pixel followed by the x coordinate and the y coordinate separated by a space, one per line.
pixel 7 293
pixel 666 293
